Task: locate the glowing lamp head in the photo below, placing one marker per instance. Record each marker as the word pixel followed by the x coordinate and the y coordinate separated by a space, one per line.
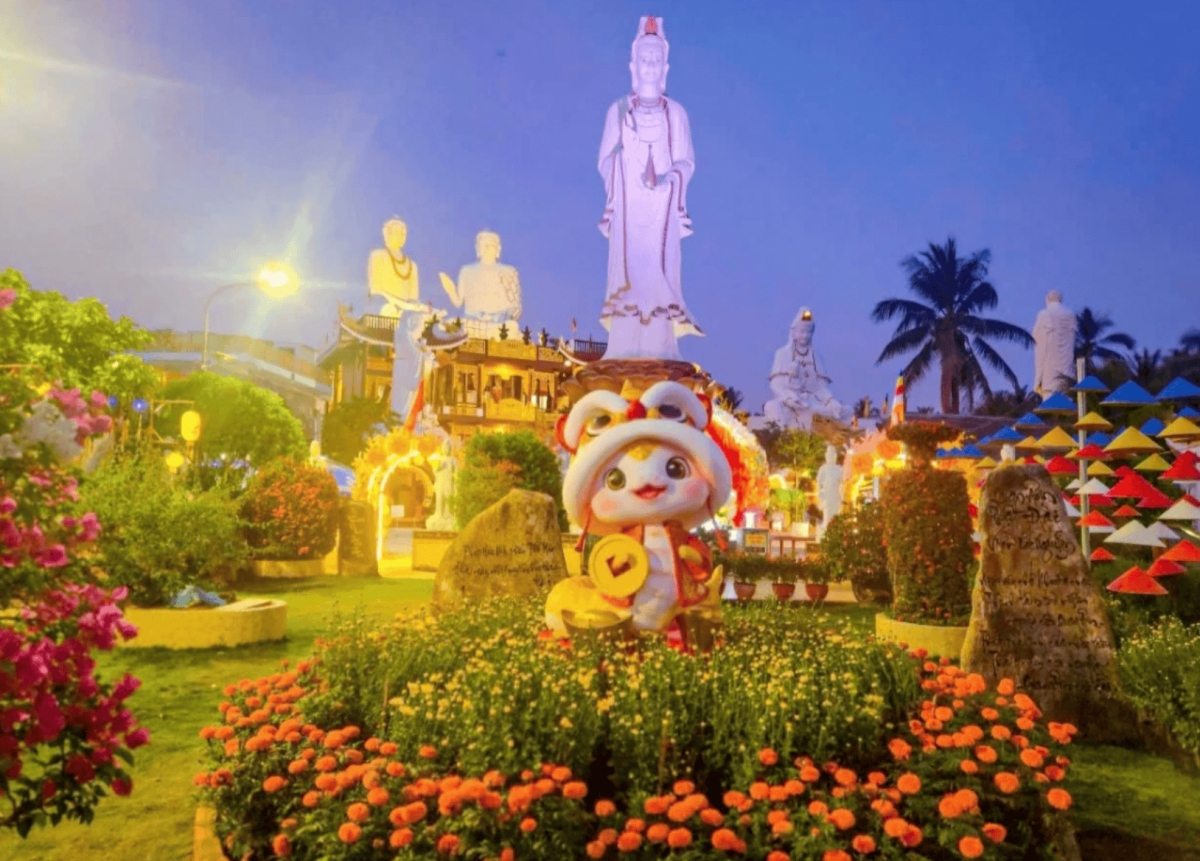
pixel 174 461
pixel 189 426
pixel 278 280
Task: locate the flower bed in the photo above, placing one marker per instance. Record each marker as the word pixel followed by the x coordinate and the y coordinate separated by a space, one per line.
pixel 1160 673
pixel 972 774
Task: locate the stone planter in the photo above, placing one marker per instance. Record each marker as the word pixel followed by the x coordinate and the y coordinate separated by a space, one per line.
pixel 816 592
pixel 237 624
pixel 744 591
pixel 784 591
pixel 288 568
pixel 937 640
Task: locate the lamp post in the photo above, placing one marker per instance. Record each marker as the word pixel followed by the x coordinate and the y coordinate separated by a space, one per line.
pixel 277 280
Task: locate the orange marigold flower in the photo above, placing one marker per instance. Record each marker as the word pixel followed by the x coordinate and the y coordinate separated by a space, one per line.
pixel 1059 799
pixel 908 783
pixel 683 787
pixel 1024 703
pixel 1006 687
pixel 656 805
pixel 989 714
pixel 596 849
pixel 777 816
pixel 817 808
pixel 576 789
pixel 780 793
pixel 1001 733
pixel 949 807
pixel 899 748
pixel 281 845
pixel 297 766
pixel 387 748
pixel 629 841
pixel 604 807
pixel 842 819
pixel 635 825
pixel 400 838
pixel 943 713
pixel 507 854
pixel 767 756
pixel 986 754
pixel 680 811
pixel 325 763
pixel 969 766
pixel 274 783
pixel 725 840
pixel 845 777
pixel 733 798
pixel 1031 758
pixel 895 827
pixel 759 791
pixel 835 855
pixel 711 816
pixel 448 844
pixel 877 777
pixel 809 774
pixel 967 799
pixel 528 824
pixel 778 856
pixel 608 836
pixel 678 838
pixel 970 846
pixel 394 769
pixel 658 832
pixel 358 812
pixel 863 844
pixel 1055 773
pixel 994 831
pixel 349 832
pixel 378 797
pixel 560 773
pixel 311 799
pixel 1007 782
pixel 428 751
pixel 912 837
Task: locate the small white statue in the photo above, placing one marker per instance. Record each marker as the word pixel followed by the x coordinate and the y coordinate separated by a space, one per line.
pixel 393 275
pixel 646 161
pixel 801 390
pixel 829 486
pixel 1054 347
pixel 489 292
pixel 443 489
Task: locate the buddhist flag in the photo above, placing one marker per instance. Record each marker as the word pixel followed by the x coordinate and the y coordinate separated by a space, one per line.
pixel 574 325
pixel 898 403
pixel 418 404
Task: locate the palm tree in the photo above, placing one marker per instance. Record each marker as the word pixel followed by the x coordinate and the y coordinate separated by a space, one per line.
pixel 1014 403
pixel 1091 342
pixel 1145 367
pixel 1189 341
pixel 731 400
pixel 947 328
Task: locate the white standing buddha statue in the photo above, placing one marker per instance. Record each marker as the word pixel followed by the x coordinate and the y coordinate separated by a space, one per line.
pixel 1054 347
pixel 646 161
pixel 489 292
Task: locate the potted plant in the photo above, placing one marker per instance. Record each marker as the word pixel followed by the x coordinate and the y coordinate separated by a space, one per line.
pixel 745 569
pixel 784 573
pixel 815 574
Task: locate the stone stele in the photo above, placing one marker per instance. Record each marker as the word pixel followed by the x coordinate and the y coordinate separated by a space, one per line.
pixel 512 549
pixel 1036 615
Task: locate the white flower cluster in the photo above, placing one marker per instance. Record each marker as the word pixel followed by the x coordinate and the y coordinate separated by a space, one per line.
pixel 45 424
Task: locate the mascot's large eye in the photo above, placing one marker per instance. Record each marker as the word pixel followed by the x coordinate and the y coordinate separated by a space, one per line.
pixel 598 424
pixel 670 412
pixel 678 469
pixel 614 479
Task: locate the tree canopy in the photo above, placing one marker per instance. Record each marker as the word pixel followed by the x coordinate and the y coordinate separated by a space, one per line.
pixel 495 463
pixel 348 425
pixel 1093 344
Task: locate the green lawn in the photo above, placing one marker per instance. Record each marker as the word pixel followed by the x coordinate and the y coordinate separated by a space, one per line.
pixel 1129 806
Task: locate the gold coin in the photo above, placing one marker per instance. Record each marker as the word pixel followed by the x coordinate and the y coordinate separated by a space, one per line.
pixel 619 565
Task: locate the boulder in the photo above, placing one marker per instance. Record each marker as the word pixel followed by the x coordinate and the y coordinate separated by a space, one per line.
pixel 1036 615
pixel 513 548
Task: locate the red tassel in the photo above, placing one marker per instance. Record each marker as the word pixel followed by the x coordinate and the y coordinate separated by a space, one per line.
pixel 722 544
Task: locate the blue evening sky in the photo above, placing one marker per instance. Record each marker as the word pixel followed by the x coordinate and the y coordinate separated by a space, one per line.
pixel 152 149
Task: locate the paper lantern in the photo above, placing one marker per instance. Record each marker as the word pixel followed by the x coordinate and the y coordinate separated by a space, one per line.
pixel 1095 487
pixel 1132 486
pixel 1182 470
pixel 1155 500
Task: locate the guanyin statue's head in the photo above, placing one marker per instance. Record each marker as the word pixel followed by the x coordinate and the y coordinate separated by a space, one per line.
pixel 802 328
pixel 648 63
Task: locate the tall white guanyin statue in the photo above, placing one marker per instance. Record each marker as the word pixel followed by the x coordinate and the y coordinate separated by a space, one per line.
pixel 800 389
pixel 489 292
pixel 1054 347
pixel 646 161
pixel 393 275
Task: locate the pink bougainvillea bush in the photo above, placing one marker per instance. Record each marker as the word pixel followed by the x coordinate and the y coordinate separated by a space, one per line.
pixel 65 734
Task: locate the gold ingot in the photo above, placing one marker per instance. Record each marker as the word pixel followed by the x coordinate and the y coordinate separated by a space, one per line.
pixel 619 565
pixel 189 426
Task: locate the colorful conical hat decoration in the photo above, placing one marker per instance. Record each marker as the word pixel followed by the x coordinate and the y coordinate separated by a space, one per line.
pixel 1129 394
pixel 1151 427
pixel 1182 469
pixel 1027 443
pixel 1134 533
pixel 1125 469
pixel 1099 468
pixel 1093 422
pixel 1160 530
pixel 1072 506
pixel 1187 497
pixel 1074 484
pixel 1127 511
pixel 1101 554
pixel 1089 384
pixel 1094 487
pixel 1155 500
pixel 1096 520
pixel 1105 501
pixel 1029 421
pixel 1091 451
pixel 1132 485
pixel 1135 581
pixel 1181 510
pixel 1056 439
pixel 1132 441
pixel 1181 430
pixel 1184 551
pixel 1059 465
pixel 986 463
pixel 1165 568
pixel 1154 463
pixel 1056 403
pixel 1179 389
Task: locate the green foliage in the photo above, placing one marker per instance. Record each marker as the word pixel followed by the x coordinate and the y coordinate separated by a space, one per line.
pixel 76 343
pixel 241 422
pixel 1160 672
pixel 854 549
pixel 495 463
pixel 928 532
pixel 798 450
pixel 348 425
pixel 922 438
pixel 290 509
pixel 752 567
pixel 159 537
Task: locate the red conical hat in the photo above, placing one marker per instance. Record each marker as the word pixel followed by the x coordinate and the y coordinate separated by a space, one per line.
pixel 1091 451
pixel 1099 501
pixel 1126 511
pixel 1164 568
pixel 1184 551
pixel 1095 518
pixel 1101 554
pixel 1059 465
pixel 1135 581
pixel 1158 499
pixel 1132 485
pixel 1181 470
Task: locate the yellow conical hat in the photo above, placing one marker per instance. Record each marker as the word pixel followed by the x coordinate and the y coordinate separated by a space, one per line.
pixel 1132 441
pixel 1154 463
pixel 1056 438
pixel 1099 468
pixel 1093 422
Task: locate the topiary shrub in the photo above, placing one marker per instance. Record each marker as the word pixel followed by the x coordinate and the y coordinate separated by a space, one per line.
pixel 927 528
pixel 290 509
pixel 495 463
pixel 854 550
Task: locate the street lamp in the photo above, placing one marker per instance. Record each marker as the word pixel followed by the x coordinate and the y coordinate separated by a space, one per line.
pixel 276 279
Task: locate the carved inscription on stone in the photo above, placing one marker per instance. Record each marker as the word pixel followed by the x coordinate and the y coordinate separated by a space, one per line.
pixel 514 548
pixel 1036 615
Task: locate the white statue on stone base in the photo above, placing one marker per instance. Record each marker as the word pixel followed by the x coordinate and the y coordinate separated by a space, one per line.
pixel 393 275
pixel 443 489
pixel 1054 347
pixel 801 390
pixel 829 486
pixel 489 292
pixel 646 161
